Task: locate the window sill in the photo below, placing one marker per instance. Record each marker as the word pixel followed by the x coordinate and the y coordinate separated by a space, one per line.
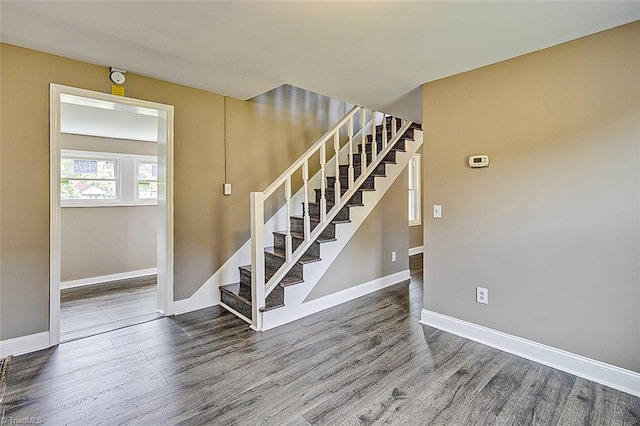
pixel 93 205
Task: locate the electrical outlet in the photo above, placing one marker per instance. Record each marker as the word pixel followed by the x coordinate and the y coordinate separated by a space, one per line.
pixel 482 295
pixel 393 256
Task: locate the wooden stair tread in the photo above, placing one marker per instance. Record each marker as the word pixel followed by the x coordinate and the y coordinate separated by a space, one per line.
pixel 346 176
pixel 304 259
pixel 238 291
pixel 285 282
pixel 329 205
pixel 334 221
pixel 242 294
pixel 300 236
pixel 342 190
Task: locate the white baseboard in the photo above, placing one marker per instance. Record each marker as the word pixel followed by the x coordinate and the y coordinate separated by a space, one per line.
pixel 24 344
pixel 278 317
pixel 416 250
pixel 609 375
pixel 106 278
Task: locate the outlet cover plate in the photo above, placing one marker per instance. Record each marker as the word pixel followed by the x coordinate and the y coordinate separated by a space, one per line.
pixel 482 295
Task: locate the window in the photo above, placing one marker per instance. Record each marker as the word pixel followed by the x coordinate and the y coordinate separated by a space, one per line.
pixel 146 180
pixel 86 176
pixel 414 191
pixel 94 179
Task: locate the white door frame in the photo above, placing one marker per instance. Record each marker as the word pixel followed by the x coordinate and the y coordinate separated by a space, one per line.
pixel 165 199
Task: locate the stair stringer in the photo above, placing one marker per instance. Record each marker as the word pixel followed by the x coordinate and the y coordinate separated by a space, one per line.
pixel 295 295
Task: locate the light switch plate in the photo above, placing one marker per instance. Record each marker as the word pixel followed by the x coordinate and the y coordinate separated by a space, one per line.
pixel 227 189
pixel 437 211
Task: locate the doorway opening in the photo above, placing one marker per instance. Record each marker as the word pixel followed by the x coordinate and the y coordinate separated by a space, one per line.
pixel 111 218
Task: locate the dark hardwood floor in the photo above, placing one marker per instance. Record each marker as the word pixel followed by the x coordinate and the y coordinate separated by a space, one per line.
pixel 94 309
pixel 366 362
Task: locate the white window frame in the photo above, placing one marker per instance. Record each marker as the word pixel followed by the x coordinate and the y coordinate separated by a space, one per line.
pixel 99 156
pixel 414 190
pixel 125 174
pixel 136 194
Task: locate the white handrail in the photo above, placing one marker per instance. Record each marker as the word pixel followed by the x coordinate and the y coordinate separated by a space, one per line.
pixel 309 152
pixel 259 289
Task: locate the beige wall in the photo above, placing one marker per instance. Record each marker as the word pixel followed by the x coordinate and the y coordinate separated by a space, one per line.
pixel 367 255
pixel 552 227
pixel 98 241
pixel 264 136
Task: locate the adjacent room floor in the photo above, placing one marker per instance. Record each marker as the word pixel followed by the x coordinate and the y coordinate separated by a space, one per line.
pixel 94 309
pixel 366 362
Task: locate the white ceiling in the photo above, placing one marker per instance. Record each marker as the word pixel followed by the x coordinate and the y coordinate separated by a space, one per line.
pixel 375 54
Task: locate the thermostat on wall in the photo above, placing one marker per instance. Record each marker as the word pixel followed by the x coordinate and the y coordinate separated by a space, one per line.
pixel 476 161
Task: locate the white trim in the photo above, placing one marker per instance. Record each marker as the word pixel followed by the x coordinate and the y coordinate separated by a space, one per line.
pixel 54 214
pixel 165 200
pixel 609 375
pixel 99 206
pixel 275 318
pixel 416 162
pixel 416 250
pixel 236 313
pixel 24 344
pixel 105 278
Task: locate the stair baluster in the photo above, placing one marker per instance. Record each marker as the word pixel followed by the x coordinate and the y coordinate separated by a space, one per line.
pixel 288 239
pixel 384 130
pixel 323 184
pixel 336 185
pixel 305 182
pixel 394 129
pixel 363 156
pixel 350 151
pixel 374 144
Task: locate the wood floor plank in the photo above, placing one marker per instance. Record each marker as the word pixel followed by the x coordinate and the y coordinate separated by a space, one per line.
pixel 627 410
pixel 94 309
pixel 366 362
pixel 495 402
pixel 546 399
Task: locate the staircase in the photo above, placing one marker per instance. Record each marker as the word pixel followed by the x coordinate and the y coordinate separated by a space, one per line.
pixel 364 146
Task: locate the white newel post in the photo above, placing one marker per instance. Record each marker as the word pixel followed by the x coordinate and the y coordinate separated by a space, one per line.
pixel 257 258
pixel 336 149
